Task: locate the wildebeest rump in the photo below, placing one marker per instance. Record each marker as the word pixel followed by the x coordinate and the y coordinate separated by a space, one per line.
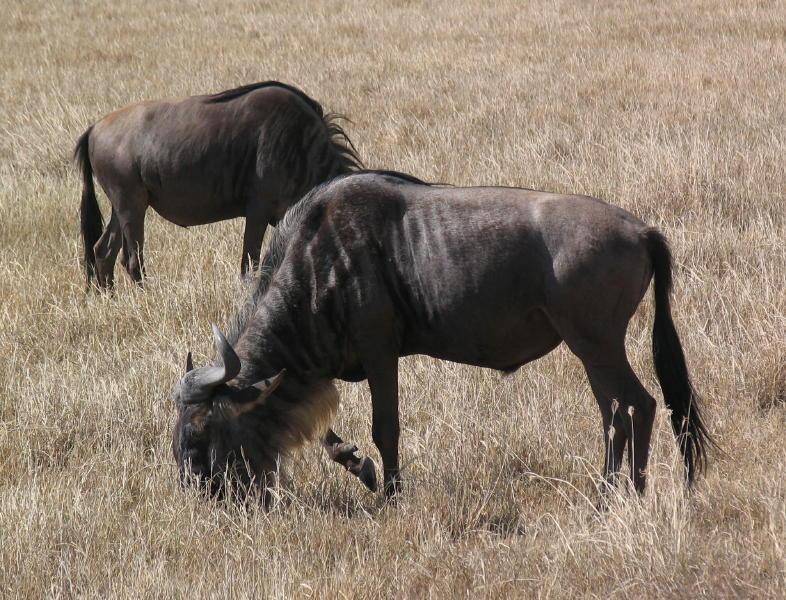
pixel 248 152
pixel 371 267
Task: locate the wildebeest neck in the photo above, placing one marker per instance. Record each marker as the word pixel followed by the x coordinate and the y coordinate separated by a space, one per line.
pixel 301 407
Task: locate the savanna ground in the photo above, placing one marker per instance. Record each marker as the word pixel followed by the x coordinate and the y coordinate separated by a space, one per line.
pixel 674 112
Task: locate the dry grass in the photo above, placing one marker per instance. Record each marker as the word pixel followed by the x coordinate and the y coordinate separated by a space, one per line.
pixel 674 112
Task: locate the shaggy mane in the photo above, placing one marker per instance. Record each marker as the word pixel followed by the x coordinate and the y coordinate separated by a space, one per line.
pixel 282 234
pixel 343 148
pixel 269 265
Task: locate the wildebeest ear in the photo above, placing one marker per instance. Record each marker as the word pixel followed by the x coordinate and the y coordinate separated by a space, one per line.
pixel 263 390
pixel 189 362
pixel 268 386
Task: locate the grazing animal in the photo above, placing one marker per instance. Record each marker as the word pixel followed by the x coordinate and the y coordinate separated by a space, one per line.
pixel 248 152
pixel 374 266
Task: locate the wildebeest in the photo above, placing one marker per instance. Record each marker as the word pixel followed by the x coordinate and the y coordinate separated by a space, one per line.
pixel 248 152
pixel 374 266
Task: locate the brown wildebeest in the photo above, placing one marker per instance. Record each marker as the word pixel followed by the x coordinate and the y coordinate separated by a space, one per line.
pixel 374 266
pixel 248 152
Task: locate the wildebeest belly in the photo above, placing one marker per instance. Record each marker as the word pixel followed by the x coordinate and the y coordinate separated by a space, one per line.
pixel 196 177
pixel 194 190
pixel 472 289
pixel 496 341
pixel 187 208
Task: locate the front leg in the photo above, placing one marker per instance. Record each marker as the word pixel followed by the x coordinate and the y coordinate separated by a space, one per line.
pixel 344 454
pixel 257 217
pixel 383 381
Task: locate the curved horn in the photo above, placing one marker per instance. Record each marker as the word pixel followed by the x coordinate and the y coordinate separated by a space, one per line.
pixel 197 384
pixel 227 354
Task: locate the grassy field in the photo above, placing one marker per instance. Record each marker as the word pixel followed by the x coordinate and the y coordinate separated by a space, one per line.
pixel 672 110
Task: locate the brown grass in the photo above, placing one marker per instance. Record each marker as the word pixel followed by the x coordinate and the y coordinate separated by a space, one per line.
pixel 672 110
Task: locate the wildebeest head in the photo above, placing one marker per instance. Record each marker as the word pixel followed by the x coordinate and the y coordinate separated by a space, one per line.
pixel 216 434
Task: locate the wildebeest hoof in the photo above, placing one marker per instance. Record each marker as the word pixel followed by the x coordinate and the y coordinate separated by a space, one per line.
pixel 343 452
pixel 392 488
pixel 368 474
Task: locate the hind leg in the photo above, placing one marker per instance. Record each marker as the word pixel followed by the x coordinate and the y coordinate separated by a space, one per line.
pixel 253 234
pixel 106 250
pixel 129 200
pixel 133 227
pixel 597 293
pixel 625 405
pixel 627 409
pixel 614 439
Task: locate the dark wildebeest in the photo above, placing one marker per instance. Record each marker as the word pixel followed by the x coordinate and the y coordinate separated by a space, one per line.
pixel 248 152
pixel 374 266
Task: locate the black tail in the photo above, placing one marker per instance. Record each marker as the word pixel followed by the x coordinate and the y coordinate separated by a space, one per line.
pixel 90 219
pixel 678 392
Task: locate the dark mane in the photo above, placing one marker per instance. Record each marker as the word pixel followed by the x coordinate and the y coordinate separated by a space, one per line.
pixel 395 174
pixel 256 289
pixel 406 177
pixel 343 147
pixel 281 236
pixel 228 95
